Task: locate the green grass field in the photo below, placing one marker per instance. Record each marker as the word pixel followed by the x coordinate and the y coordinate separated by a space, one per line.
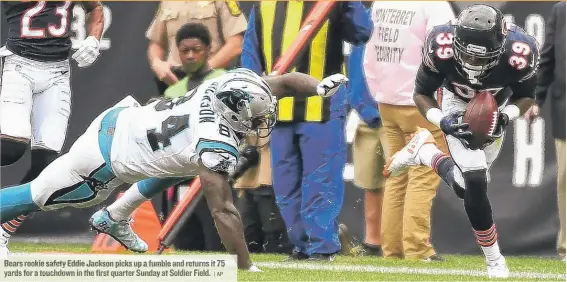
pixel 455 268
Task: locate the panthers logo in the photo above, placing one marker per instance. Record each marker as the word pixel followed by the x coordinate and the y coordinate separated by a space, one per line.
pixel 235 99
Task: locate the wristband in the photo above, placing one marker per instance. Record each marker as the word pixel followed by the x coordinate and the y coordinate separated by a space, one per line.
pixel 512 111
pixel 434 115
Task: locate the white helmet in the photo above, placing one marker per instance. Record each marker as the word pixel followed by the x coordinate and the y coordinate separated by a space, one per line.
pixel 245 101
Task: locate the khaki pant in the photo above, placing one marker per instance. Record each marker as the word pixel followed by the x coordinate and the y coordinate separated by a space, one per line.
pixel 406 213
pixel 367 157
pixel 560 149
pixel 260 175
pixel 368 160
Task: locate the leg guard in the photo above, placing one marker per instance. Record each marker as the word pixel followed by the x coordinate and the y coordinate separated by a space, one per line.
pixel 11 150
pixel 40 159
pixel 476 201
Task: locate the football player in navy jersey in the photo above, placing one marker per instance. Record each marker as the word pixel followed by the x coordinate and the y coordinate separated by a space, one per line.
pixel 478 52
pixel 35 93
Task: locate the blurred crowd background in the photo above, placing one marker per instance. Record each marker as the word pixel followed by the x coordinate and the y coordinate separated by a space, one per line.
pixel 318 186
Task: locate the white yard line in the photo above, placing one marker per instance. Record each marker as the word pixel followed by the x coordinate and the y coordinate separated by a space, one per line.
pixel 402 270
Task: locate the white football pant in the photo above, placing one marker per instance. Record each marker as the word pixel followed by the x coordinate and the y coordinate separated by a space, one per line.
pixel 35 100
pixel 79 178
pixel 465 158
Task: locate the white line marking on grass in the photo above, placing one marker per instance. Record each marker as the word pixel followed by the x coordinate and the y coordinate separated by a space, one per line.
pixel 403 270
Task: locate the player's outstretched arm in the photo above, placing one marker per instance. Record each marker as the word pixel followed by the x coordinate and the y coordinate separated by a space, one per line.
pixel 227 219
pixel 302 85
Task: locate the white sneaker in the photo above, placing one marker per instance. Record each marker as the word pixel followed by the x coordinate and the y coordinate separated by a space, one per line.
pixel 254 268
pixel 4 237
pixel 408 156
pixel 497 268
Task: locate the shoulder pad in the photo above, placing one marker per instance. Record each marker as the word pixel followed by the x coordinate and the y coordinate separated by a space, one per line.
pixel 438 50
pixel 521 53
pixel 217 155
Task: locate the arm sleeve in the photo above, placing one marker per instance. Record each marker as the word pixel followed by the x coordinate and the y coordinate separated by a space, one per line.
pixel 232 20
pixel 251 50
pixel 356 26
pixel 525 88
pixel 360 98
pixel 547 60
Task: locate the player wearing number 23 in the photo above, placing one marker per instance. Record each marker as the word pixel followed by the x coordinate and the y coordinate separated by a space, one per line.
pixel 164 142
pixel 478 52
pixel 35 93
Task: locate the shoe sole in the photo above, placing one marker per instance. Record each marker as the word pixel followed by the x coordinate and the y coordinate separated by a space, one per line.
pixel 429 139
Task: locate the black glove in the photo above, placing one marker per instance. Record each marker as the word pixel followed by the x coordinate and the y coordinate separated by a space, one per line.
pixel 503 121
pixel 451 125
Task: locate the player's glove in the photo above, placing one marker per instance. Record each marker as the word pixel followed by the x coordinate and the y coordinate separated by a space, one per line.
pixel 503 121
pixel 88 52
pixel 451 125
pixel 329 85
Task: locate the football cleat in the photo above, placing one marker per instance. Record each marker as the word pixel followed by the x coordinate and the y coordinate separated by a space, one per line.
pixel 121 231
pixel 497 268
pixel 408 156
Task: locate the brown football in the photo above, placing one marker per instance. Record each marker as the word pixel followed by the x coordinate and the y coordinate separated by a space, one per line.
pixel 482 116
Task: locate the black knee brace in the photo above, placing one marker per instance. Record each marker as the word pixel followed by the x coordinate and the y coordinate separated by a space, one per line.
pixel 476 200
pixel 40 159
pixel 445 171
pixel 11 150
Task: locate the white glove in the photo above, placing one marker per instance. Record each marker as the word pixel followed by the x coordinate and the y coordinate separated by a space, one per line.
pixel 88 52
pixel 329 85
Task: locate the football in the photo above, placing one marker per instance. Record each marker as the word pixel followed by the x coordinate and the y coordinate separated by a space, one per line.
pixel 481 115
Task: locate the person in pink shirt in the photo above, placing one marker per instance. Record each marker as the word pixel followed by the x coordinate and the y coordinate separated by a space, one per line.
pixel 391 60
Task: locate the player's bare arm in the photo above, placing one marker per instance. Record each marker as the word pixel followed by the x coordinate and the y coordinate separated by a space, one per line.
pixel 302 85
pixel 227 219
pixel 424 103
pixel 96 18
pixel 523 104
pixel 426 83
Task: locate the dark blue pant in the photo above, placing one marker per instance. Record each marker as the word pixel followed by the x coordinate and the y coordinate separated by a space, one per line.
pixel 307 163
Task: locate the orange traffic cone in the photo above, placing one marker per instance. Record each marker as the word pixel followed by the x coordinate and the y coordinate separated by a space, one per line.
pixel 146 224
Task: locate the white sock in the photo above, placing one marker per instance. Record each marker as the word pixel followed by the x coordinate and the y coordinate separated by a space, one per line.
pixel 426 154
pixel 123 208
pixel 492 253
pixel 484 239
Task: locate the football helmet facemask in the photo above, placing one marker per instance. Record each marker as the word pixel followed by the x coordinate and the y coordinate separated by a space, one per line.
pixel 480 35
pixel 245 101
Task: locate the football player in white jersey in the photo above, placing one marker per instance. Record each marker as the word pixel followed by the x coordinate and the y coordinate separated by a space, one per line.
pixel 194 135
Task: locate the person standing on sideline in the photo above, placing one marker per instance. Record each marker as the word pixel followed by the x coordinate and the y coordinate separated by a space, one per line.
pixel 551 80
pixel 367 152
pixel 223 19
pixel 307 144
pixel 391 61
pixel 193 43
